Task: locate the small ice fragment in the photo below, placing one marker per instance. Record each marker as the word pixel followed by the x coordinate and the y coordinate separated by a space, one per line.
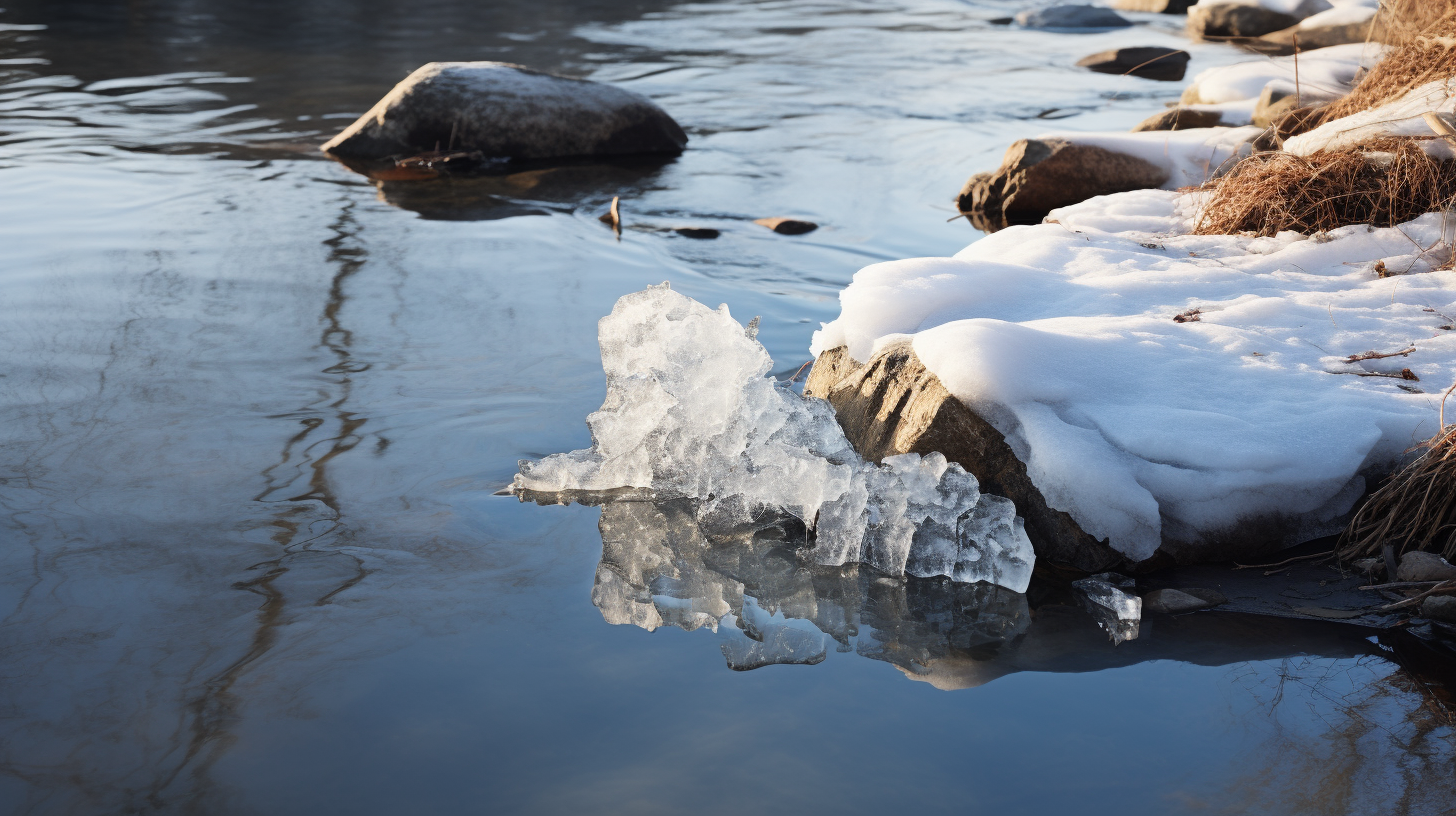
pixel 1117 612
pixel 691 413
pixel 781 645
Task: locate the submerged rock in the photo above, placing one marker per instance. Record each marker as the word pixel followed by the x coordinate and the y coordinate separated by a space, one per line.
pixel 1175 601
pixel 1039 175
pixel 1180 119
pixel 1166 64
pixel 507 111
pixel 1424 566
pixel 1079 16
pixel 1235 20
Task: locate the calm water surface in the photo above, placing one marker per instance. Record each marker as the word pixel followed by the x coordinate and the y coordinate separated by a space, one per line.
pixel 254 411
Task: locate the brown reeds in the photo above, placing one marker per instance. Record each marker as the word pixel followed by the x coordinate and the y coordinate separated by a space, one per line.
pixel 1383 183
pixel 1414 510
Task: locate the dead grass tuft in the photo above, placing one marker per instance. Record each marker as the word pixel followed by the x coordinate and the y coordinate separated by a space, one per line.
pixel 1383 183
pixel 1415 510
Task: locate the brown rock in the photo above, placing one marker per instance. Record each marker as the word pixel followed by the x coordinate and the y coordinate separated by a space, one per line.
pixel 1039 175
pixel 1180 119
pixel 787 226
pixel 1281 43
pixel 892 405
pixel 1424 566
pixel 1166 64
pixel 1235 20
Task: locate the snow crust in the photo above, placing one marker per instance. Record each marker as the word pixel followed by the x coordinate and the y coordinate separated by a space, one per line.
pixel 1340 15
pixel 1189 157
pixel 1323 74
pixel 1062 336
pixel 1402 117
pixel 689 412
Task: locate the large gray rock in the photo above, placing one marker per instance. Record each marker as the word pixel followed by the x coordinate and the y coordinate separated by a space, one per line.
pixel 1235 20
pixel 1078 16
pixel 1039 175
pixel 1166 64
pixel 1180 119
pixel 1160 6
pixel 507 111
pixel 892 404
pixel 1424 566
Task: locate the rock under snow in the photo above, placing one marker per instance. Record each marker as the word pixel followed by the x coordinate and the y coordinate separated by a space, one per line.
pixel 1055 170
pixel 1173 391
pixel 507 111
pixel 1159 6
pixel 690 412
pixel 1324 75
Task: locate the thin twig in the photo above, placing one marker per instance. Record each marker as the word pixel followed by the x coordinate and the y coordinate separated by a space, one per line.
pixel 1440 589
pixel 1285 561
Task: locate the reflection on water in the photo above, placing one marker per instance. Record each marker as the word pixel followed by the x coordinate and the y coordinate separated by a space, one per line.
pixel 660 568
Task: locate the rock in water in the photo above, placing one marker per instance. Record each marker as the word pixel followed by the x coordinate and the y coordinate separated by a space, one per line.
pixel 1439 607
pixel 1072 17
pixel 891 405
pixel 1159 6
pixel 1039 175
pixel 507 111
pixel 1174 601
pixel 1235 20
pixel 1167 64
pixel 787 226
pixel 1180 119
pixel 1424 566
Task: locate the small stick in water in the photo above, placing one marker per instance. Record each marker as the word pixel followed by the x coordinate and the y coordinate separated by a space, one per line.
pixel 613 217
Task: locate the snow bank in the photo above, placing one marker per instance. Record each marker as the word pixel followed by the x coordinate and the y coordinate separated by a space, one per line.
pixel 1326 73
pixel 1062 335
pixel 1297 8
pixel 690 412
pixel 1352 13
pixel 1403 117
pixel 1190 157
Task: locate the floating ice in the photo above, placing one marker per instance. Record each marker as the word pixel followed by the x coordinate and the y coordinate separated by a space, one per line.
pixel 1117 612
pixel 689 412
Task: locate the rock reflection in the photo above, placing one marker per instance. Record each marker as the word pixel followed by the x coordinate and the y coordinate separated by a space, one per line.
pixel 659 567
pixel 525 192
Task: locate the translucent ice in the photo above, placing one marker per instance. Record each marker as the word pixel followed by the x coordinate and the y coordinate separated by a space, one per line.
pixel 690 412
pixel 1118 613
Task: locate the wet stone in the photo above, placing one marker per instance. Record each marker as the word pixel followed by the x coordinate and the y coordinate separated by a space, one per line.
pixel 1424 566
pixel 1175 601
pixel 1078 16
pixel 1180 119
pixel 787 226
pixel 700 233
pixel 1439 607
pixel 1166 64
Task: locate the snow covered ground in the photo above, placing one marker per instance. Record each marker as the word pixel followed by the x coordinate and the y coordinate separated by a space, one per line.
pixel 1161 384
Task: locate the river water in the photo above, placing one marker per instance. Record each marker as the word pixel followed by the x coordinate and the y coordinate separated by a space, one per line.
pixel 255 411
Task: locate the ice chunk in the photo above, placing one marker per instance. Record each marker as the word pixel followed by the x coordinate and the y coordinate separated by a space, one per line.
pixel 1117 612
pixel 689 412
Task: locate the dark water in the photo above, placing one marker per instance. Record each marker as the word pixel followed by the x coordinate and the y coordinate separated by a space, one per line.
pixel 254 410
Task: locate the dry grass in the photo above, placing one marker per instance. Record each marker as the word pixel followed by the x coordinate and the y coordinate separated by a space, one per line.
pixel 1422 39
pixel 1415 510
pixel 1383 183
